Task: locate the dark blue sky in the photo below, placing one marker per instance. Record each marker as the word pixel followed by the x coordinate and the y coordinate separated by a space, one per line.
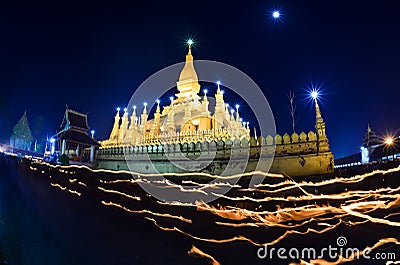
pixel 92 56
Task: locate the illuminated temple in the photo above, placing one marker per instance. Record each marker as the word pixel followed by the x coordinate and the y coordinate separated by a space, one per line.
pixel 188 127
pixel 186 118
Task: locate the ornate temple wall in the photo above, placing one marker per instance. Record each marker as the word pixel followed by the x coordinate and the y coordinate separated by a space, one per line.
pixel 296 155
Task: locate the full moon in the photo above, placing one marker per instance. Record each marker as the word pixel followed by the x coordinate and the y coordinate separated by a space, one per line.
pixel 276 14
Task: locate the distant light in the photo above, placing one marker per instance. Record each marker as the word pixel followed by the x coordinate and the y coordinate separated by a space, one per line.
pixel 171 98
pixel 232 111
pixel 145 104
pixel 52 140
pixel 158 101
pixel 389 140
pixel 314 94
pixel 241 120
pixel 364 155
pixel 205 91
pixel 134 106
pixel 276 14
pixel 237 106
pixel 222 92
pixel 125 109
pixel 92 131
pixel 118 109
pixel 218 82
pixel 190 42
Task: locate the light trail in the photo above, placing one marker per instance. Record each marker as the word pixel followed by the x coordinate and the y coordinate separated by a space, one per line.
pixel 194 251
pixel 243 238
pixel 65 188
pixel 165 215
pixel 137 198
pixel 286 207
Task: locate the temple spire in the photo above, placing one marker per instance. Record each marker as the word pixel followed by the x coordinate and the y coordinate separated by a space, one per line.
pixel 237 113
pixel 133 118
pixel 322 140
pixel 188 85
pixel 115 130
pixel 156 122
pixel 144 116
pixel 318 115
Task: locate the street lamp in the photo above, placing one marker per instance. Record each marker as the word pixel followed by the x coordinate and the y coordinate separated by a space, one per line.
pixel 389 141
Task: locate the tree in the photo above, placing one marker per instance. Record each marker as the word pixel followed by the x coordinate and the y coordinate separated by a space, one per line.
pixel 22 137
pixel 292 110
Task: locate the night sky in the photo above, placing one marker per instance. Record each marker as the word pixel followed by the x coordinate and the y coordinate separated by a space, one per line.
pixel 91 56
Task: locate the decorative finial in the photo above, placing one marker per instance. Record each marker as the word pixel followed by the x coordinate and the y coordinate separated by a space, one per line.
pixel 218 88
pixel 158 106
pixel 190 43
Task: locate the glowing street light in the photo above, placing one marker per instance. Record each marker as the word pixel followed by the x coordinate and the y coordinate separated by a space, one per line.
pixel 190 42
pixel 92 133
pixel 125 109
pixel 389 140
pixel 118 109
pixel 205 91
pixel 218 82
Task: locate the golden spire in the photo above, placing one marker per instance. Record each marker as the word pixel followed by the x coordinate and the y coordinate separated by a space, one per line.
pixel 133 118
pixel 115 130
pixel 188 85
pixel 144 115
pixel 158 106
pixel 318 115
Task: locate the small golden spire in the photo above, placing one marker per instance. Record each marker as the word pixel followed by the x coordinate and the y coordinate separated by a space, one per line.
pixel 158 106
